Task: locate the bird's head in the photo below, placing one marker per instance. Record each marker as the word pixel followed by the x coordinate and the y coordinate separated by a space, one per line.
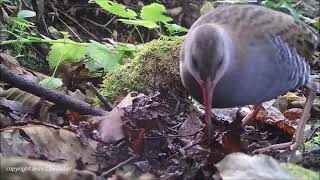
pixel 206 57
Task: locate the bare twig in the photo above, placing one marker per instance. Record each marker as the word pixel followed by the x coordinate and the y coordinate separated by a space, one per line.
pixel 104 26
pixel 117 166
pixel 61 99
pixel 38 123
pixel 74 33
pixel 103 99
pixel 19 127
pixel 75 21
pixel 185 148
pixel 174 136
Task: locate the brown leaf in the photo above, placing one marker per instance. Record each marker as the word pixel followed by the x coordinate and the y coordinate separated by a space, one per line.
pixel 293 114
pixel 231 142
pixel 286 126
pixel 111 126
pixel 135 138
pixel 111 123
pixel 56 145
pixel 73 116
pixel 30 169
pixel 191 125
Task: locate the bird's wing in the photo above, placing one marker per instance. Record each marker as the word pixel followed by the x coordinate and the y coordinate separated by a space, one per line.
pixel 295 68
pixel 247 21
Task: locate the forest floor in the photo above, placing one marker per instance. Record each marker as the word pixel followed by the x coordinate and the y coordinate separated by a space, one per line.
pixel 142 136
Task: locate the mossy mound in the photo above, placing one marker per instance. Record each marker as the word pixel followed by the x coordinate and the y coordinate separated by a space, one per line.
pixel 154 68
pixel 299 172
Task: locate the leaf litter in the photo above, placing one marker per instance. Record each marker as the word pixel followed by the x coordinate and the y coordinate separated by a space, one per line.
pixel 144 131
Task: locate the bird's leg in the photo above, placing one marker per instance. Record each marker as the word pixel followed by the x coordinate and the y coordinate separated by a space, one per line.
pixel 251 115
pixel 297 140
pixel 298 137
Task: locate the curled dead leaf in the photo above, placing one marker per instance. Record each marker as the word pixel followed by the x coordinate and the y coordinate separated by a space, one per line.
pixel 293 114
pixel 111 124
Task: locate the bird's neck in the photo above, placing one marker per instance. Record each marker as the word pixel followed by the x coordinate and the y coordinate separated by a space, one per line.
pixel 227 49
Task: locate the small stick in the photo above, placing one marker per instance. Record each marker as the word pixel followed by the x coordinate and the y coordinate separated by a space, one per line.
pixel 174 136
pixel 59 98
pixel 103 99
pixel 75 21
pixel 117 166
pixel 103 26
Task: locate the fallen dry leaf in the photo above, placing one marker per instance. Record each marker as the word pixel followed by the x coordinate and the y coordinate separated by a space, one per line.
pixel 293 114
pixel 111 124
pixel 30 169
pixel 242 166
pixel 135 138
pixel 191 125
pixel 293 97
pixel 56 145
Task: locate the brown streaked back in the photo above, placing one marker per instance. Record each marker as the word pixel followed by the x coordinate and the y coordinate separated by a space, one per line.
pixel 246 23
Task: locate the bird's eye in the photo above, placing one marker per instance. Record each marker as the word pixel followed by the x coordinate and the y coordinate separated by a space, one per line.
pixel 220 63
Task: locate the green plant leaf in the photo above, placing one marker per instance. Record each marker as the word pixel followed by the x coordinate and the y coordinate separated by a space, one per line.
pixel 116 9
pixel 174 28
pixel 269 4
pixel 147 24
pixel 34 38
pixel 69 51
pixel 22 22
pixel 284 4
pixel 154 12
pixel 316 24
pixel 292 11
pixel 26 14
pixel 275 5
pixel 51 82
pixel 102 55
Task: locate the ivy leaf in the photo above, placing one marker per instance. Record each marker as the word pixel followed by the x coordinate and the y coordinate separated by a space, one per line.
pixel 174 28
pixel 51 82
pixel 116 9
pixel 154 12
pixel 102 55
pixel 147 24
pixel 69 51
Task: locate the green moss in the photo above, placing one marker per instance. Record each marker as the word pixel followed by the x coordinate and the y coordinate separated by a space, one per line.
pixel 300 173
pixel 154 68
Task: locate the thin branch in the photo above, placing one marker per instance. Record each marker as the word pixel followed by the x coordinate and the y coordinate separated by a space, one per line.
pixel 75 21
pixel 117 166
pixel 103 99
pixel 174 136
pixel 61 99
pixel 104 26
pixel 74 33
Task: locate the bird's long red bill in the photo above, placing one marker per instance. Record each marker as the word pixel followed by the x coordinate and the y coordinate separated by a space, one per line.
pixel 207 89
